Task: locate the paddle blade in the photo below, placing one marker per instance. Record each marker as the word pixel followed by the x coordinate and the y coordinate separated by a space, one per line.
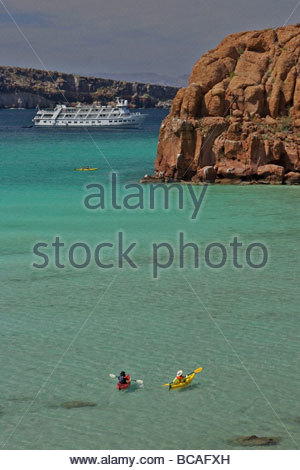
pixel 166 385
pixel 140 382
pixel 112 376
pixel 198 370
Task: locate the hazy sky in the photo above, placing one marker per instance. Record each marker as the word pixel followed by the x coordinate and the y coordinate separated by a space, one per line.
pixel 162 36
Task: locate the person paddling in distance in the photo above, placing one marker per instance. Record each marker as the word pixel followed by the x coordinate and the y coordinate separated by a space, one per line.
pixel 123 378
pixel 179 378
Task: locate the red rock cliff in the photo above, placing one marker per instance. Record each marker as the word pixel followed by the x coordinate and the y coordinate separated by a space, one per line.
pixel 239 118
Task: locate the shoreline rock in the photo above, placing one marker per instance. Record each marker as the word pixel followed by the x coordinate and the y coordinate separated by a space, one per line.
pixel 256 441
pixel 239 117
pixel 77 404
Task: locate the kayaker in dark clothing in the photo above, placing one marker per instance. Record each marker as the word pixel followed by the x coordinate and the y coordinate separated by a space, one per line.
pixel 123 378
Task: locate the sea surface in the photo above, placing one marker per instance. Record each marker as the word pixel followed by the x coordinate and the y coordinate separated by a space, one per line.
pixel 64 330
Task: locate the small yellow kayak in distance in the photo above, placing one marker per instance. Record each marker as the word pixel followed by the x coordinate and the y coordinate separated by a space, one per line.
pixel 85 169
pixel 187 381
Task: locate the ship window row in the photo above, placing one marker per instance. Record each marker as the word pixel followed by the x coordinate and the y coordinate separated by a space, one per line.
pixel 85 114
pixel 93 122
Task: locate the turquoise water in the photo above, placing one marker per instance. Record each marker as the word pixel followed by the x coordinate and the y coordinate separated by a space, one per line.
pixel 64 330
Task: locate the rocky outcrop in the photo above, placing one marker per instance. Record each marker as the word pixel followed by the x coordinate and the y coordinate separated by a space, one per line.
pixel 250 441
pixel 239 118
pixel 27 88
pixel 77 404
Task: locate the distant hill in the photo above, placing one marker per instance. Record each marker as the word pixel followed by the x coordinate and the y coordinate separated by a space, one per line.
pixel 153 78
pixel 27 88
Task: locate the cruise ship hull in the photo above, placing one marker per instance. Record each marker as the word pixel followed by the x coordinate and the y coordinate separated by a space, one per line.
pixel 133 125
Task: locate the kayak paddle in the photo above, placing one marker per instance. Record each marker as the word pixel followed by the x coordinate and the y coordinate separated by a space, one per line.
pixel 140 382
pixel 196 371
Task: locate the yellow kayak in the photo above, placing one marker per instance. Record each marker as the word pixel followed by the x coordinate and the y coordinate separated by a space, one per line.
pixel 185 383
pixel 188 380
pixel 86 169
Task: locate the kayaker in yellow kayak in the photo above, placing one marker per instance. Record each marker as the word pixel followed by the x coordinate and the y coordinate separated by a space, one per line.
pixel 87 168
pixel 180 378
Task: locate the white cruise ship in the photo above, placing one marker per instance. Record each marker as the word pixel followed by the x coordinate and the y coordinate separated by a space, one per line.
pixel 89 116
